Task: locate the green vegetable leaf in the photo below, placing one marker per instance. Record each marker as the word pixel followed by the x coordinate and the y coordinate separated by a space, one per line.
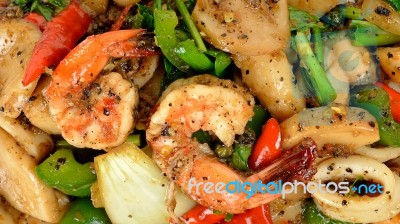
pixel 240 157
pixel 57 3
pixel 45 11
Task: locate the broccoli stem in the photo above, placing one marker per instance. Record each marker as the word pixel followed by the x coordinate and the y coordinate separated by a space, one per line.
pixel 324 91
pixel 191 26
pixel 367 34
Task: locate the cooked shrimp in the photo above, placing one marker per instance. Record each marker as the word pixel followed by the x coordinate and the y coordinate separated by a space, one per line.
pixel 92 111
pixel 209 104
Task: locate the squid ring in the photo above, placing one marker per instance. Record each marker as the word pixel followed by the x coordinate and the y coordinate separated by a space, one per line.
pixel 358 208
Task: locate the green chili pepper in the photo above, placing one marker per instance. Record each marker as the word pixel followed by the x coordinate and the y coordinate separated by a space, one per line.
pixel 64 173
pixel 165 22
pixel 375 100
pixel 83 212
pixel 312 215
pixel 189 53
pixel 242 149
pixel 259 118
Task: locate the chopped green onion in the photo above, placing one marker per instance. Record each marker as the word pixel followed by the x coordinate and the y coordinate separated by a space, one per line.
pixel 191 26
pixel 325 93
pixel 190 54
pixel 135 139
pixel 367 34
pixel 352 13
pixel 318 45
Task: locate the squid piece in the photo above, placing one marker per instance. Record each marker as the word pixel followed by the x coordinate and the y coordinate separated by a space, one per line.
pixel 32 196
pixel 315 7
pixel 389 58
pixel 35 142
pixel 244 27
pixel 37 109
pixel 17 40
pixel 382 154
pixel 270 78
pixel 350 126
pixel 382 14
pixel 10 215
pixel 358 208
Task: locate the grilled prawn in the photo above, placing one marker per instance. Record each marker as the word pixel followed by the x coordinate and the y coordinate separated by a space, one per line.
pixel 210 104
pixel 93 110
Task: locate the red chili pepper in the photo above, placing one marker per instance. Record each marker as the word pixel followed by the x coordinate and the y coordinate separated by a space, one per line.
pixel 394 98
pixel 268 146
pixel 118 24
pixel 59 37
pixel 203 215
pixel 257 215
pixel 36 19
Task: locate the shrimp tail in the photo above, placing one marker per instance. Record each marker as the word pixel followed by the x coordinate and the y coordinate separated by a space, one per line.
pixel 130 49
pixel 95 51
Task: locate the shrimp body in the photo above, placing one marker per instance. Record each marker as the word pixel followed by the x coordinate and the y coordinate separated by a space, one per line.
pixel 206 103
pixel 91 110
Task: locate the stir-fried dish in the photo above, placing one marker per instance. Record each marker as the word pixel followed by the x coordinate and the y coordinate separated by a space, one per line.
pixel 207 111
